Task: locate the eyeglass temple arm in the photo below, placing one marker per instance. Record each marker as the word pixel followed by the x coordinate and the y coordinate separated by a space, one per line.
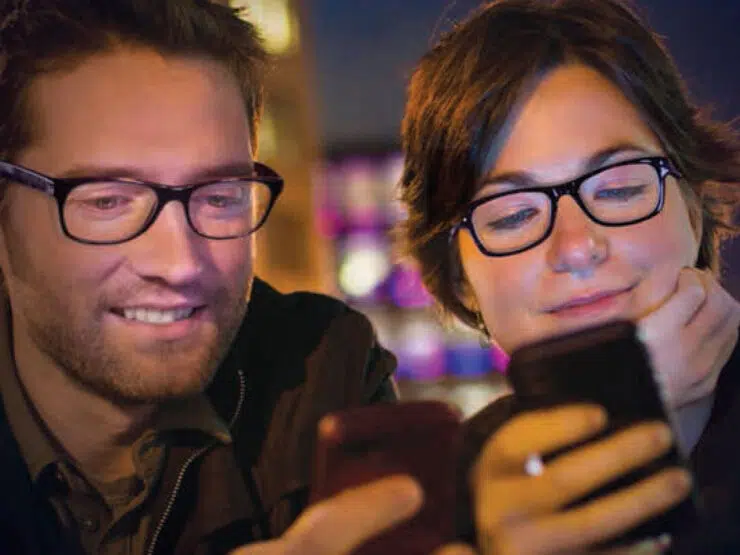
pixel 26 177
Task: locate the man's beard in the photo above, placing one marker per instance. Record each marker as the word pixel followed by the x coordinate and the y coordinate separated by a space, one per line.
pixel 167 370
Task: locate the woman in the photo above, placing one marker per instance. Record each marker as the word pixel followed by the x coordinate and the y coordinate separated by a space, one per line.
pixel 557 176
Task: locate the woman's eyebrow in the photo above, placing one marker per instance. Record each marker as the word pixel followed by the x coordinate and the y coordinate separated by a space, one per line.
pixel 594 162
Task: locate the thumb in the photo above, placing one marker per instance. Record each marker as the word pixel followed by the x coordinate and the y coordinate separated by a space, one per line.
pixel 455 549
pixel 340 524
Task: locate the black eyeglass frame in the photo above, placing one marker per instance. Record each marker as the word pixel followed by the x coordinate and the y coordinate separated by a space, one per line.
pixel 661 164
pixel 60 189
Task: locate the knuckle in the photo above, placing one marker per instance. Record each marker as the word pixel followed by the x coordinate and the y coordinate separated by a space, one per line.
pixel 696 293
pixel 504 445
pixel 638 441
pixel 558 486
pixel 505 539
pixel 494 513
pixel 309 542
pixel 735 312
pixel 595 521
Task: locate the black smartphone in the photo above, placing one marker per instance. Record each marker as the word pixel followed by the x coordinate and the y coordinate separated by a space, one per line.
pixel 606 365
pixel 418 438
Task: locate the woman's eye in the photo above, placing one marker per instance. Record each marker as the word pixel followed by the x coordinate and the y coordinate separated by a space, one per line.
pixel 619 193
pixel 514 220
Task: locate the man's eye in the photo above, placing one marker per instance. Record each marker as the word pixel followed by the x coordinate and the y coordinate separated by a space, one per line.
pixel 222 201
pixel 108 203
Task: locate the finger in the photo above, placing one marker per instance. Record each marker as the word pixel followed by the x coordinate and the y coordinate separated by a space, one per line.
pixel 652 546
pixel 678 309
pixel 273 547
pixel 540 432
pixel 583 470
pixel 569 476
pixel 607 517
pixel 711 337
pixel 455 549
pixel 719 308
pixel 340 524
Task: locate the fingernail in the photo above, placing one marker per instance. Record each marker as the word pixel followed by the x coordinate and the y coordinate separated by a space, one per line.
pixel 663 435
pixel 329 427
pixel 646 547
pixel 664 542
pixel 408 492
pixel 680 481
pixel 597 417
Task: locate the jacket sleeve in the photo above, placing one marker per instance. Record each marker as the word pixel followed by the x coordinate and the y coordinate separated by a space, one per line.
pixel 381 387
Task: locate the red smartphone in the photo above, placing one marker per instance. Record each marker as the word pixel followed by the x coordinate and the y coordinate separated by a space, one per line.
pixel 419 439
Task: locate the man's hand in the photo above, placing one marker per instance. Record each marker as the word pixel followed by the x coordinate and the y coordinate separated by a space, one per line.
pixel 691 336
pixel 339 525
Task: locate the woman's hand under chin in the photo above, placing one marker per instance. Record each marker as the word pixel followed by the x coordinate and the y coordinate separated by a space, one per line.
pixel 691 335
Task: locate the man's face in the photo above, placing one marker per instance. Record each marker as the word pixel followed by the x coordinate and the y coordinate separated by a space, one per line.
pixel 136 114
pixel 583 273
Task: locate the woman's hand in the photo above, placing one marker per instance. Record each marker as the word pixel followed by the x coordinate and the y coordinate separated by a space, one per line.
pixel 517 513
pixel 691 336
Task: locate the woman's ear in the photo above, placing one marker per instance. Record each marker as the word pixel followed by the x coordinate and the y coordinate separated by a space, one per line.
pixel 465 293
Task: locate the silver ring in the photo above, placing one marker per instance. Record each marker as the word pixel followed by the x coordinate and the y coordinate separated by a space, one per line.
pixel 534 466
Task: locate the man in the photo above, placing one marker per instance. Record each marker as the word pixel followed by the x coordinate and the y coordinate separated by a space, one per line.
pixel 141 412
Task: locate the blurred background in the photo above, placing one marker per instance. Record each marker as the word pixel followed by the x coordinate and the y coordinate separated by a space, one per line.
pixel 331 128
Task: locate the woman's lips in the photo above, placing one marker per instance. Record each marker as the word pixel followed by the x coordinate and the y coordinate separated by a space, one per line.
pixel 592 305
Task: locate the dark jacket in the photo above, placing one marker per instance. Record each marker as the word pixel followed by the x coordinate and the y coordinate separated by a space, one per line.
pixel 715 462
pixel 296 358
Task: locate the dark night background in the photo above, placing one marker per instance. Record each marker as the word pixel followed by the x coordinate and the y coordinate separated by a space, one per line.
pixel 364 51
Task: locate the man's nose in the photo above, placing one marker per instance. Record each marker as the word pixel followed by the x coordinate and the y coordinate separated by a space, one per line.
pixel 170 250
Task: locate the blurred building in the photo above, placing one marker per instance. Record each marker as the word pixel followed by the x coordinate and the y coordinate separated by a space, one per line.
pixel 291 252
pixel 331 229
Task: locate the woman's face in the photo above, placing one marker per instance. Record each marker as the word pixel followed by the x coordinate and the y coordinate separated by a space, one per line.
pixel 583 273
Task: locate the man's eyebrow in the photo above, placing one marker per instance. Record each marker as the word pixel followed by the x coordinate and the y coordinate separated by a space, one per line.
pixel 219 171
pixel 592 163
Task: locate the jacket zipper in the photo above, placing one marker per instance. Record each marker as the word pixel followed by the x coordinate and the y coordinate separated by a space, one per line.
pixel 189 461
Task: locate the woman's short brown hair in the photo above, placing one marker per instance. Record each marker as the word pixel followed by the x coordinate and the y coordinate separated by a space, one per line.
pixel 465 88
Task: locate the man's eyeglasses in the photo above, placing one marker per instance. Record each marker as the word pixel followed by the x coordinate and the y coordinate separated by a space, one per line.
pixel 620 194
pixel 109 211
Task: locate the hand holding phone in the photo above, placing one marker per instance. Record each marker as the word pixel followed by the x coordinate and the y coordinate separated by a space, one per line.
pixel 419 439
pixel 517 512
pixel 607 366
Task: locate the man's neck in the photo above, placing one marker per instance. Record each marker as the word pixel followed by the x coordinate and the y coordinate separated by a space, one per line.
pixel 96 433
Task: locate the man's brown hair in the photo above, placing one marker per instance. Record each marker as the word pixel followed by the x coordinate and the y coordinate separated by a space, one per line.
pixel 42 36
